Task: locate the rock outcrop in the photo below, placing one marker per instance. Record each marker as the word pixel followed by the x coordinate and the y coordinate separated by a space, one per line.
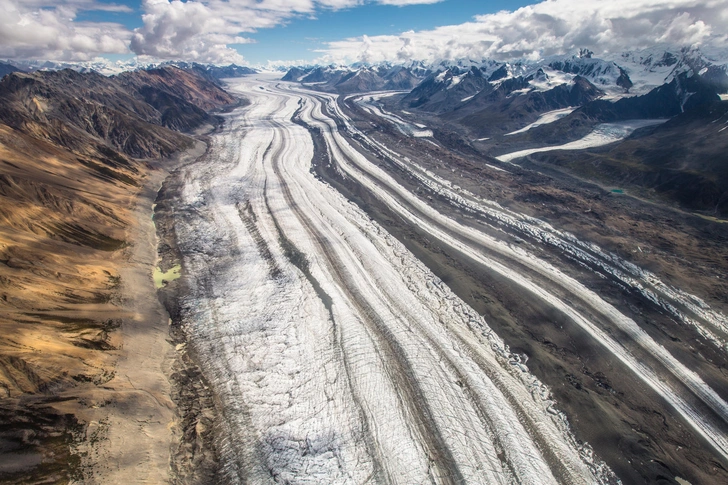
pixel 74 157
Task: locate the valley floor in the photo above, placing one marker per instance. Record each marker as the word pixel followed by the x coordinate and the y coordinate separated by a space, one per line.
pixel 85 355
pixel 131 418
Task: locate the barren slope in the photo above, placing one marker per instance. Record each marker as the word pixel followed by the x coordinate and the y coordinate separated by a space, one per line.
pixel 83 337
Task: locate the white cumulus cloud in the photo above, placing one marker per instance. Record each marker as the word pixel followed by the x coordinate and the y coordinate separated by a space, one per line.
pixel 189 30
pixel 37 29
pixel 204 30
pixel 193 30
pixel 549 27
pixel 209 30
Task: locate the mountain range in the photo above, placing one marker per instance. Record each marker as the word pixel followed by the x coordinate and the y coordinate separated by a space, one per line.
pixel 78 146
pixel 496 107
pixel 356 79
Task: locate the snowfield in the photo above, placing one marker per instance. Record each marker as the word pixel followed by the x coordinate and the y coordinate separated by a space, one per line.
pixel 545 119
pixel 338 357
pixel 603 134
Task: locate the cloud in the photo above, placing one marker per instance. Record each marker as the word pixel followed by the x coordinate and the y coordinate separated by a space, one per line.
pixel 192 30
pixel 34 29
pixel 549 27
pixel 209 30
pixel 205 30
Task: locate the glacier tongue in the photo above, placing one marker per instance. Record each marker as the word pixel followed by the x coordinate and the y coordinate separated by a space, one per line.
pixel 336 356
pixel 602 134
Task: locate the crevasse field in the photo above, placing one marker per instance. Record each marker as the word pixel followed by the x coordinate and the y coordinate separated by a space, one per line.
pixel 338 357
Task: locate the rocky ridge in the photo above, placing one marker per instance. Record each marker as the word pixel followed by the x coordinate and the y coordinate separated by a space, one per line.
pixel 360 79
pixel 495 108
pixel 77 155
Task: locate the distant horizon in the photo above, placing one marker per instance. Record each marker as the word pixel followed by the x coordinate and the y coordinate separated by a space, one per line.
pixel 114 66
pixel 307 32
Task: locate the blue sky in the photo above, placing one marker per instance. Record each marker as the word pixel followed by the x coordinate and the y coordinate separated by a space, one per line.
pixel 300 37
pixel 254 32
pixel 131 18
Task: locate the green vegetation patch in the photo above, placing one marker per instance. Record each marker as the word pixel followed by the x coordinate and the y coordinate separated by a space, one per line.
pixel 160 277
